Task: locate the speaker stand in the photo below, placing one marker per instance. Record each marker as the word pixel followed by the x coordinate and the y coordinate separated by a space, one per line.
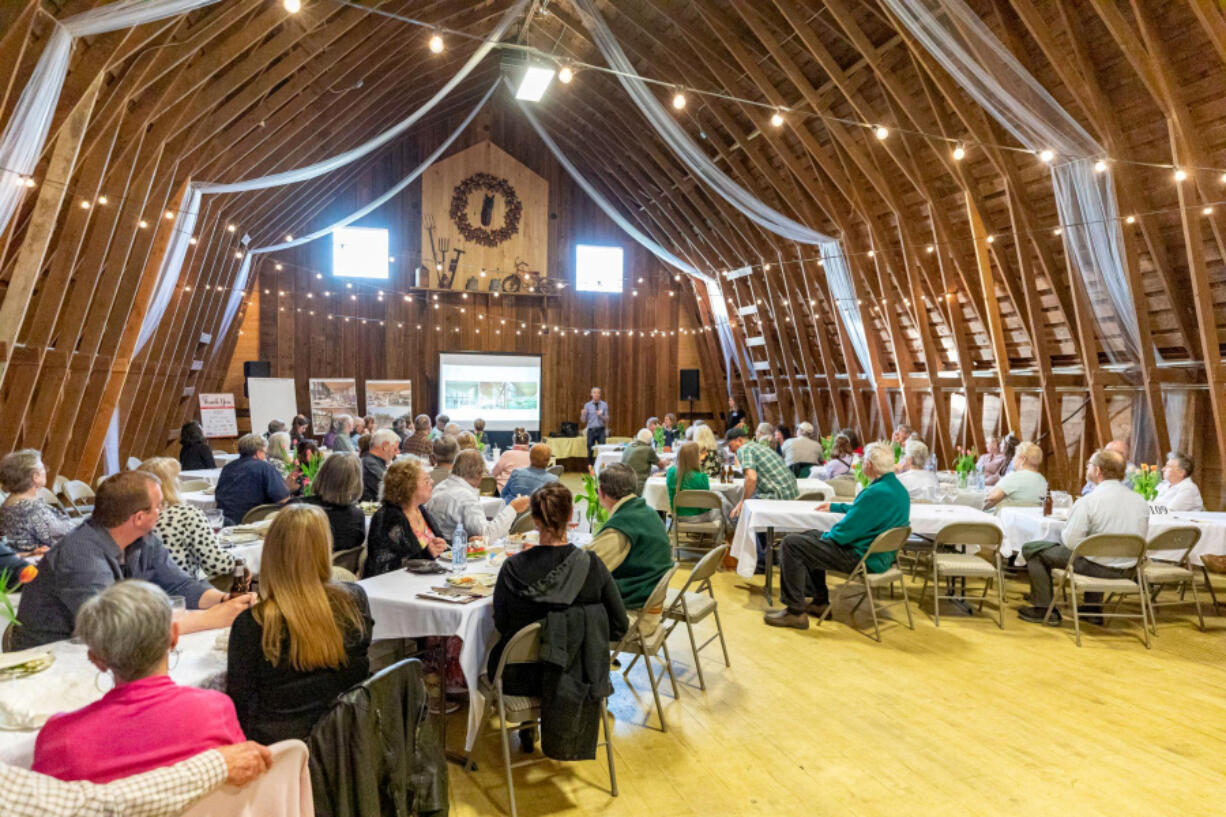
pixel 691 410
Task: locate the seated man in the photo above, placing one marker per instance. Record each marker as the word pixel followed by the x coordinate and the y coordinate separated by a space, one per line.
pixel 440 426
pixel 457 500
pixel 116 542
pixel 249 481
pixel 640 457
pixel 1177 491
pixel 920 484
pixel 443 454
pixel 804 558
pixel 632 543
pixel 418 443
pixel 1110 508
pixel 525 481
pixel 383 447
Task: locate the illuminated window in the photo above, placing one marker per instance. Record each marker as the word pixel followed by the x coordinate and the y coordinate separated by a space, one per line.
pixel 598 268
pixel 359 252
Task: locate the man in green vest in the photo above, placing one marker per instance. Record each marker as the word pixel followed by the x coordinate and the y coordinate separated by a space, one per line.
pixel 633 543
pixel 804 558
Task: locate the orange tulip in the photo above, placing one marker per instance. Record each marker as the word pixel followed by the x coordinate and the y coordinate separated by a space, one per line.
pixel 27 574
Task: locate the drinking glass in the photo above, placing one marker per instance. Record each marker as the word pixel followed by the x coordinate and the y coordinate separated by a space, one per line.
pixel 216 519
pixel 178 606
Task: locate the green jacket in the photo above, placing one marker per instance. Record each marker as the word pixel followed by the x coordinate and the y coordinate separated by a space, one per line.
pixel 650 555
pixel 882 505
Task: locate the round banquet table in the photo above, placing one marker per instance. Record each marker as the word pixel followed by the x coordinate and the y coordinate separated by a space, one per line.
pixel 655 490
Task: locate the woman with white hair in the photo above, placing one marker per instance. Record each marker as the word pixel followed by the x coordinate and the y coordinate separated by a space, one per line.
pixel 802 450
pixel 343 440
pixel 146 720
pixel 279 452
pixel 710 461
pixel 920 484
pixel 30 524
pixel 640 456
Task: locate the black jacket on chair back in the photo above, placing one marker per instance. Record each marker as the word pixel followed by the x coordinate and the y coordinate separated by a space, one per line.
pixel 375 752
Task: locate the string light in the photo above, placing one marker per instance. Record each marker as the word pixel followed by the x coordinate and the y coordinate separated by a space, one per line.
pixel 142 224
pixel 231 228
pixel 169 215
pixel 289 237
pixel 103 200
pixel 1180 174
pixel 777 119
pixel 1207 210
pixel 882 132
pixel 678 100
pixel 84 204
pixel 566 74
pixel 1047 156
pixel 959 153
pixel 436 43
pixel 1100 166
pixel 292 6
pixel 1057 231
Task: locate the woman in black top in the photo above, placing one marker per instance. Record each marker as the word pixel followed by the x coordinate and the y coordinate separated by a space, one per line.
pixel 402 529
pixel 337 489
pixel 194 451
pixel 535 582
pixel 305 642
pixel 298 430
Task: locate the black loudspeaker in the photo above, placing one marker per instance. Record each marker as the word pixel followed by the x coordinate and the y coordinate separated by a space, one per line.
pixel 255 368
pixel 689 384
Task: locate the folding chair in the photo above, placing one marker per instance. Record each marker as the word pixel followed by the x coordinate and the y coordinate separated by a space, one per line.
pixel 844 487
pixel 259 513
pixel 888 541
pixel 698 535
pixel 515 711
pixel 812 496
pixel 1109 546
pixel 648 645
pixel 488 487
pixel 190 485
pixel 51 499
pixel 556 470
pixel 692 606
pixel 352 559
pixel 953 565
pixel 57 485
pixel 523 523
pixel 80 497
pixel 1159 573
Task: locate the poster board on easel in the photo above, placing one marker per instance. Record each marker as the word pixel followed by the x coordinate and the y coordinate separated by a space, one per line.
pixel 271 398
pixel 217 416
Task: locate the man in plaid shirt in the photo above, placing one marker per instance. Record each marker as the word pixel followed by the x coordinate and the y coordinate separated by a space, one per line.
pixel 165 791
pixel 766 477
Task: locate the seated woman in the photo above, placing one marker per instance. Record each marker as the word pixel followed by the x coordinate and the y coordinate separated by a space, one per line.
pixel 337 489
pixel 146 720
pixel 279 452
pixel 298 430
pixel 1024 485
pixel 514 457
pixel 993 463
pixel 842 457
pixel 548 577
pixel 402 528
pixel 30 524
pixel 711 462
pixel 920 483
pixel 687 475
pixel 305 642
pixel 185 531
pixel 302 456
pixel 194 451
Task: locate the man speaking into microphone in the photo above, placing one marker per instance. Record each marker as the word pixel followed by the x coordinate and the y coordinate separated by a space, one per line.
pixel 595 416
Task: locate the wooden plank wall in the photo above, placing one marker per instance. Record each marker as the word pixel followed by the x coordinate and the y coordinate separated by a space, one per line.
pixel 640 374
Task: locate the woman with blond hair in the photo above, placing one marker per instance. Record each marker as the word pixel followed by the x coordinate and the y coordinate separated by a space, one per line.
pixel 305 641
pixel 278 452
pixel 185 531
pixel 710 461
pixel 1024 485
pixel 686 474
pixel 402 528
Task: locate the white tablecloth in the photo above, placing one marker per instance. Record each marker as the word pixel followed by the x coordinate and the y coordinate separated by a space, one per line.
pixel 655 491
pixel 1022 525
pixel 204 500
pixel 601 448
pixel 224 459
pixel 398 613
pixel 211 474
pixel 786 515
pixel 607 458
pixel 70 684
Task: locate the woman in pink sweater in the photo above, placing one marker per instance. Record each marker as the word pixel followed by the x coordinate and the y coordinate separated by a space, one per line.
pixel 147 720
pixel 514 457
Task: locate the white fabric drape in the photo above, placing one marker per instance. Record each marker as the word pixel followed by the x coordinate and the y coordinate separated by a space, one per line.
pixel 26 132
pixel 680 142
pixel 843 290
pixel 172 263
pixel 302 174
pixel 609 210
pixel 966 48
pixel 719 313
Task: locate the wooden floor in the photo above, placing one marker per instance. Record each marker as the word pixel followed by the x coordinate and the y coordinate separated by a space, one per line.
pixel 964 719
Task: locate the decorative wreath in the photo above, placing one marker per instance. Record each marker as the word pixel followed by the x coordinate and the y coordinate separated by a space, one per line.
pixel 480 235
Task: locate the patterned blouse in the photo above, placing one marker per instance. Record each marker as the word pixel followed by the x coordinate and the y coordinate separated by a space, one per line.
pixel 32 523
pixel 712 464
pixel 189 539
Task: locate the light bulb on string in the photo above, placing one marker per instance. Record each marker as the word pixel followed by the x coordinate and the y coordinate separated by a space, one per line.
pixel 881 132
pixel 959 153
pixel 231 228
pixel 1047 156
pixel 566 74
pixel 292 6
pixel 436 43
pixel 678 100
pixel 1100 166
pixel 777 120
pixel 289 237
pixel 103 200
pixel 1180 174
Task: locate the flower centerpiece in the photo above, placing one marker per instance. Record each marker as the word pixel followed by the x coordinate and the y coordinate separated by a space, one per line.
pixel 964 463
pixel 7 613
pixel 1145 481
pixel 827 447
pixel 307 472
pixel 596 513
pixel 658 436
pixel 897 452
pixel 861 477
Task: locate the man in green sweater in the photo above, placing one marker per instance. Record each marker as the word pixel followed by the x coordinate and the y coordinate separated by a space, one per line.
pixel 804 558
pixel 633 543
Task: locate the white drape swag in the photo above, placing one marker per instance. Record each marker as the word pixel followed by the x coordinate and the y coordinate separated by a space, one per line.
pixel 26 132
pixel 843 290
pixel 966 48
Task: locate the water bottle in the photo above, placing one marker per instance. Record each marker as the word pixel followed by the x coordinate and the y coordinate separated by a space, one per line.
pixel 931 465
pixel 979 482
pixel 459 549
pixel 495 454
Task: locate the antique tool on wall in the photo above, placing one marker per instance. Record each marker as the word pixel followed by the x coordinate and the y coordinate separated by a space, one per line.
pixel 430 233
pixel 443 281
pixel 454 265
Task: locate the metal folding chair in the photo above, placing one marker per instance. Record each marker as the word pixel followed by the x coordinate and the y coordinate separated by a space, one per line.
pixel 1107 546
pixel 1160 573
pixel 888 541
pixel 689 607
pixel 697 535
pixel 948 565
pixel 639 642
pixel 515 711
pixel 351 559
pixel 488 487
pixel 260 512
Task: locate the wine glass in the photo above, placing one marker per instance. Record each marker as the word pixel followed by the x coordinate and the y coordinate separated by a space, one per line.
pixel 216 519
